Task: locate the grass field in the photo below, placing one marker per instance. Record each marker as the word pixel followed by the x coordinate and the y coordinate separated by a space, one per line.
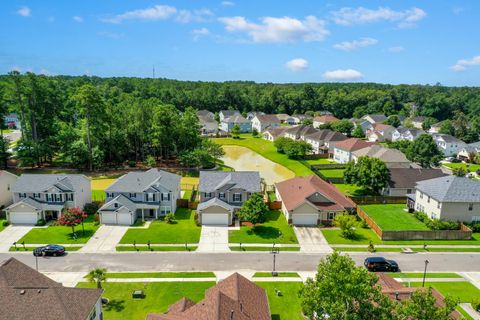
pixel 183 231
pixel 465 291
pixel 352 190
pixel 189 180
pixel 156 248
pixel 319 161
pixel 365 249
pixel 469 167
pixel 429 275
pixel 160 275
pixel 274 229
pixel 393 217
pixel 98 195
pixel 286 306
pixel 280 274
pixel 266 149
pixel 187 194
pixel 1 224
pixel 332 173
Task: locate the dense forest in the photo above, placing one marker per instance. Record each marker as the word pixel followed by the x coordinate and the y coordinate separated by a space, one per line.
pixel 95 122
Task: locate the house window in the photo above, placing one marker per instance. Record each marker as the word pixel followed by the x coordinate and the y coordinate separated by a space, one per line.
pixel 409 190
pixel 421 195
pixel 8 187
pixel 475 218
pixel 22 195
pixel 115 205
pixel 331 215
pixel 470 206
pixel 221 195
pixel 132 195
pixel 150 197
pixel 208 194
pixel 438 205
pixel 165 196
pixel 237 197
pixel 428 199
pixel 165 209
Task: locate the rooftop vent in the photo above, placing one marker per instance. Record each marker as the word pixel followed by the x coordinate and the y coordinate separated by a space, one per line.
pixel 22 292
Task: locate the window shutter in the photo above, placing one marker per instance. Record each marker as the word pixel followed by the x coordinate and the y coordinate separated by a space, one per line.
pixel 168 196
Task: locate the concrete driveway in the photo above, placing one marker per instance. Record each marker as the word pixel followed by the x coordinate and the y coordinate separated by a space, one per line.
pixel 213 239
pixel 105 239
pixel 311 239
pixel 12 234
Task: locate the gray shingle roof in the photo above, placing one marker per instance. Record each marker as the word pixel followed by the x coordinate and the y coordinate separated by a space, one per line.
pixel 40 182
pixel 236 118
pixel 122 201
pixel 451 189
pixel 141 181
pixel 448 138
pixel 376 117
pixel 213 180
pixel 384 154
pixel 408 177
pixel 214 202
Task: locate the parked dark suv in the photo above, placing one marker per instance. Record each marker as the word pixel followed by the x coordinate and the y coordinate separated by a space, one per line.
pixel 49 250
pixel 380 264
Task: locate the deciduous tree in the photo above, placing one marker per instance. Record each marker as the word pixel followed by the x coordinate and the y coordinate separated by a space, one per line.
pixel 254 209
pixel 369 173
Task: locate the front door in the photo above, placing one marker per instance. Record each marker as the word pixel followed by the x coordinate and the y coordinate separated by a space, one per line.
pixel 151 213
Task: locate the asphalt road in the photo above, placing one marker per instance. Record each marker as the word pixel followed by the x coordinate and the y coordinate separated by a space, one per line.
pixel 455 262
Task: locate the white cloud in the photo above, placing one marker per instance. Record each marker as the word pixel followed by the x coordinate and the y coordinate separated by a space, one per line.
pixel 404 19
pixel 111 35
pixel 227 3
pixel 77 19
pixel 396 49
pixel 343 75
pixel 198 33
pixel 24 11
pixel 200 15
pixel 276 30
pixel 158 12
pixel 457 10
pixel 462 64
pixel 298 64
pixel 355 44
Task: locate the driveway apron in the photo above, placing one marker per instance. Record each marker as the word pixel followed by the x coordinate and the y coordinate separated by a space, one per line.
pixel 12 234
pixel 311 239
pixel 213 239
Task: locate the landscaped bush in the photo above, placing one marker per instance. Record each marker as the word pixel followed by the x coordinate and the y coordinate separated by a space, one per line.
pixel 91 208
pixel 476 304
pixel 474 226
pixel 170 218
pixel 5 223
pixel 41 222
pixel 436 224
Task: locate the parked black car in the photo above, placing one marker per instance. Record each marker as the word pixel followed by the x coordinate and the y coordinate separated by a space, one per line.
pixel 380 264
pixel 49 250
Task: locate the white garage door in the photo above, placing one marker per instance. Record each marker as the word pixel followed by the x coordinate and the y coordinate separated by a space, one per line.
pixel 219 219
pixel 109 218
pixel 124 219
pixel 305 219
pixel 23 217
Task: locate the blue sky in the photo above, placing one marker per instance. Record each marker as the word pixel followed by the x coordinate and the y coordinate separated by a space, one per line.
pixel 264 41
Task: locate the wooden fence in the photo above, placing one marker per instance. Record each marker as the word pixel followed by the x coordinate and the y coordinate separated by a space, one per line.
pixel 275 205
pixel 379 200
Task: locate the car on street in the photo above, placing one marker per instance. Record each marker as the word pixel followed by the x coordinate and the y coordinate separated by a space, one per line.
pixel 381 264
pixel 49 250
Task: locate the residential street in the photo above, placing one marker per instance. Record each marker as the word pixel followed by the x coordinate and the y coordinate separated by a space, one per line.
pixel 455 262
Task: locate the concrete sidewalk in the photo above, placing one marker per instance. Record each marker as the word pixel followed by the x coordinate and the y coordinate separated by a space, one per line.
pixel 213 239
pixel 471 312
pixel 68 279
pixel 429 279
pixel 12 234
pixel 105 239
pixel 311 240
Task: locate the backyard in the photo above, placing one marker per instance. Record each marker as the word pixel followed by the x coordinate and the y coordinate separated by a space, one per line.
pixel 465 291
pixel 274 229
pixel 352 190
pixel 470 167
pixel 393 217
pixel 99 186
pixel 332 173
pixel 184 230
pixel 61 234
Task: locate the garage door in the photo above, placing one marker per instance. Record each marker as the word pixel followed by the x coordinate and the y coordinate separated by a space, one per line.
pixel 219 219
pixel 124 219
pixel 109 218
pixel 305 219
pixel 23 217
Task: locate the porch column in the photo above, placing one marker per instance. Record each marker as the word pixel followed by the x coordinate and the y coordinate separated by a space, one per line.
pixel 143 215
pixel 156 213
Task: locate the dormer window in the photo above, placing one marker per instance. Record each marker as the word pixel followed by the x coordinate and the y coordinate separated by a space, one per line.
pixel 208 194
pixel 115 205
pixel 221 195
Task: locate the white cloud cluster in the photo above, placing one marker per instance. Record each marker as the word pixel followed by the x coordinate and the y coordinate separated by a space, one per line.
pixel 355 44
pixel 77 19
pixel 396 49
pixel 343 75
pixel 298 64
pixel 200 15
pixel 227 3
pixel 24 11
pixel 198 33
pixel 277 30
pixel 158 12
pixel 462 64
pixel 404 19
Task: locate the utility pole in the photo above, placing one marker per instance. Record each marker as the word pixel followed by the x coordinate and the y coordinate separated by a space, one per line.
pixel 424 273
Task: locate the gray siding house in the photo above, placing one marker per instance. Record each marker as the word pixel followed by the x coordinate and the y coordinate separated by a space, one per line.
pixel 221 193
pixel 147 195
pixel 44 196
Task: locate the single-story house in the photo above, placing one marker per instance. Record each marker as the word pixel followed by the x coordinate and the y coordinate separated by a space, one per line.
pixel 7 180
pixel 273 133
pixel 403 180
pixel 449 198
pixel 342 152
pixel 265 121
pixel 323 119
pixel 234 298
pixel 228 123
pixel 393 158
pixel 311 201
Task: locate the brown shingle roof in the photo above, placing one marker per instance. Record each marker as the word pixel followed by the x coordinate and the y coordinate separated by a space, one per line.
pixel 28 294
pixel 325 118
pixel 233 298
pixel 295 191
pixel 408 177
pixel 268 118
pixel 353 144
pixel 277 131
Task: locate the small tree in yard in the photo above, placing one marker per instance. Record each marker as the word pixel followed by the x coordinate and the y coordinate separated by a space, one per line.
pixel 72 217
pixel 346 223
pixel 150 161
pixel 235 131
pixel 358 132
pixel 460 172
pixel 254 209
pixel 254 132
pixel 97 276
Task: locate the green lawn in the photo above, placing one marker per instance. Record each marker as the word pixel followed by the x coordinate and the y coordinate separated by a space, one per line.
pixel 465 291
pixel 130 275
pixel 313 162
pixel 280 274
pixel 271 196
pixel 365 249
pixel 61 234
pixel 287 306
pixel 183 231
pixel 1 224
pixel 266 149
pixel 470 167
pixel 155 248
pixel 393 217
pixel 429 275
pixel 158 297
pixel 275 229
pixel 332 173
pixel 187 194
pixel 237 248
pixel 352 190
pixel 98 195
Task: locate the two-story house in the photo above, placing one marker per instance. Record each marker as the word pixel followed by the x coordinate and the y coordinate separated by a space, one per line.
pixel 374 118
pixel 222 193
pixel 223 114
pixel 469 151
pixel 272 134
pixel 392 158
pixel 147 195
pixel 449 198
pixel 380 132
pixel 252 114
pixel 261 122
pixel 448 144
pixel 324 141
pixel 299 132
pixel 44 196
pixel 409 134
pixel 228 123
pixel 342 152
pixel 7 180
pixel 208 125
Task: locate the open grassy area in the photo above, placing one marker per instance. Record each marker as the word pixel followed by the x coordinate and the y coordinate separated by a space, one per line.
pixel 275 229
pixel 158 297
pixel 189 180
pixel 332 173
pixel 286 306
pixel 429 275
pixel 352 190
pixel 183 231
pixel 393 217
pixel 280 274
pixel 130 275
pixel 319 161
pixel 61 234
pixel 237 248
pixel 266 149
pixel 156 248
pixel 468 166
pixel 465 291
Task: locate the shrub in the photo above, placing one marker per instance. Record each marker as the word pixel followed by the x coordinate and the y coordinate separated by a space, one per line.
pixel 41 222
pixel 5 223
pixel 436 224
pixel 170 218
pixel 476 304
pixel 254 132
pixel 474 226
pixel 91 208
pixel 347 225
pixel 132 163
